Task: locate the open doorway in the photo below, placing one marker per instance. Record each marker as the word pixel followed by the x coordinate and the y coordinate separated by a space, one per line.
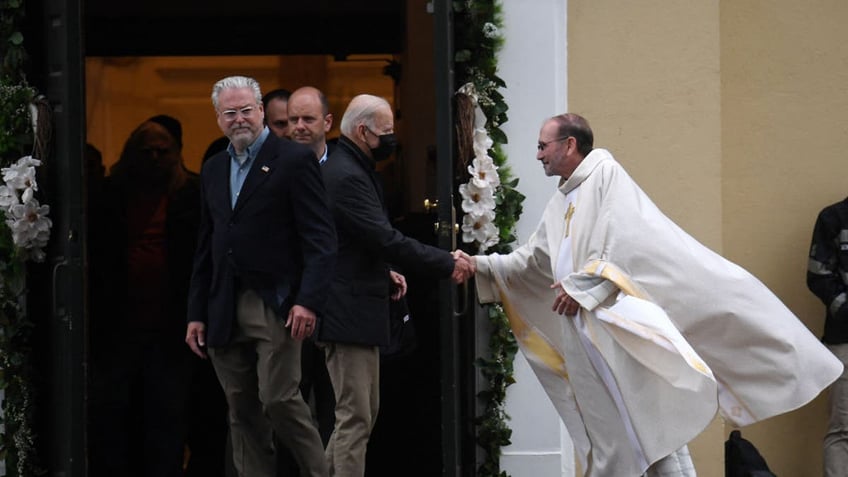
pixel 121 92
pixel 130 78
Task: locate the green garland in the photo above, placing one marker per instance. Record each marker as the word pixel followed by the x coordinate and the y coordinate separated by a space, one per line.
pixel 17 438
pixel 477 26
pixel 14 55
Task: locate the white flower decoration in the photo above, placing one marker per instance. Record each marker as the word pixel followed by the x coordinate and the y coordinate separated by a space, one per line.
pixel 25 217
pixel 490 30
pixel 8 197
pixel 29 223
pixel 469 90
pixel 482 142
pixel 478 195
pixel 21 177
pixel 480 229
pixel 484 172
pixel 477 201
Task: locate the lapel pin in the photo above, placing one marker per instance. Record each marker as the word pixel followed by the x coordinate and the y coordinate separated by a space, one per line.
pixel 265 169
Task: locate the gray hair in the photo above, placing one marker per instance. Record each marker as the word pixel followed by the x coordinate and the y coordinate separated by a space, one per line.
pixel 361 110
pixel 236 82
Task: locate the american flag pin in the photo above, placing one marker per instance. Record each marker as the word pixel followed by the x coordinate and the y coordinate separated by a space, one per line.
pixel 265 169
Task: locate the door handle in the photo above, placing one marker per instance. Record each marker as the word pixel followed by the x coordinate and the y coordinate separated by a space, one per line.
pixel 450 228
pixel 59 311
pixel 430 205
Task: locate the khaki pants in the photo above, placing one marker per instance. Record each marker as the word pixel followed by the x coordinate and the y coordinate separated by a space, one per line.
pixel 836 439
pixel 355 373
pixel 260 373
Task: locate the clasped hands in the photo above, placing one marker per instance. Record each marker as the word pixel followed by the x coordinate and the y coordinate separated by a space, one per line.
pixel 465 266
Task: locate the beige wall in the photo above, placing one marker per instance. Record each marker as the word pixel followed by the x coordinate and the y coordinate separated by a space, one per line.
pixel 731 116
pixel 784 71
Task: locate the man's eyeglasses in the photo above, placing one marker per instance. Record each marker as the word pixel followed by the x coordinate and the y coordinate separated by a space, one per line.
pixel 542 144
pixel 232 114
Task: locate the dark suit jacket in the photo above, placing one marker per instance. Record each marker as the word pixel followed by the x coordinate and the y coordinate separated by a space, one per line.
pixel 357 309
pixel 278 240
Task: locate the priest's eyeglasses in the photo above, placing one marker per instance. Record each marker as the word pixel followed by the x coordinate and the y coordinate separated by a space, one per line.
pixel 543 144
pixel 232 114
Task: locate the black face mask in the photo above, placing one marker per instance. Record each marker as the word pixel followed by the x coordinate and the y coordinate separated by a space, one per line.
pixel 385 148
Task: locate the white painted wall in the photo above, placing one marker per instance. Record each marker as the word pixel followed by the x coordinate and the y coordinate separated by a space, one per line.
pixel 533 65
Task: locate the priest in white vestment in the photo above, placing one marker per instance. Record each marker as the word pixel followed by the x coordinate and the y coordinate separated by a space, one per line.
pixel 647 333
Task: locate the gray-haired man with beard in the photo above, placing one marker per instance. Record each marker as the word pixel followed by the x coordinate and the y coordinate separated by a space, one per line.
pixel 265 256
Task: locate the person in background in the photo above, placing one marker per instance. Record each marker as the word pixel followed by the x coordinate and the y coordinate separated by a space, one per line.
pixel 217 145
pixel 827 278
pixel 95 171
pixel 309 122
pixel 356 317
pixel 265 257
pixel 145 237
pixel 276 103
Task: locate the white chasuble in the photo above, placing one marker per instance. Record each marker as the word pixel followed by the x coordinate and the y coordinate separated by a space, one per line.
pixel 668 331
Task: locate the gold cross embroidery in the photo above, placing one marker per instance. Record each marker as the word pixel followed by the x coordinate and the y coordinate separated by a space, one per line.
pixel 568 214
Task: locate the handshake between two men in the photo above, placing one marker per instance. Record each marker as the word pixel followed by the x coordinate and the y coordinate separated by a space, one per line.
pixel 466 265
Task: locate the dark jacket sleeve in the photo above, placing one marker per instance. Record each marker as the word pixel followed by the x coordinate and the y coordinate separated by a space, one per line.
pixel 316 231
pixel 824 271
pixel 357 208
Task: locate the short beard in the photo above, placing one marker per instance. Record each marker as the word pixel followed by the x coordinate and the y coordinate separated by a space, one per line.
pixel 241 141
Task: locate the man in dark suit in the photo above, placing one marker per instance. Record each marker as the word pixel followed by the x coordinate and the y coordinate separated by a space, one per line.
pixel 356 318
pixel 265 255
pixel 309 121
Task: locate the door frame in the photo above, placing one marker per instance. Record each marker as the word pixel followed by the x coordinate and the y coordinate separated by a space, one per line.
pixel 449 353
pixel 65 400
pixel 456 308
